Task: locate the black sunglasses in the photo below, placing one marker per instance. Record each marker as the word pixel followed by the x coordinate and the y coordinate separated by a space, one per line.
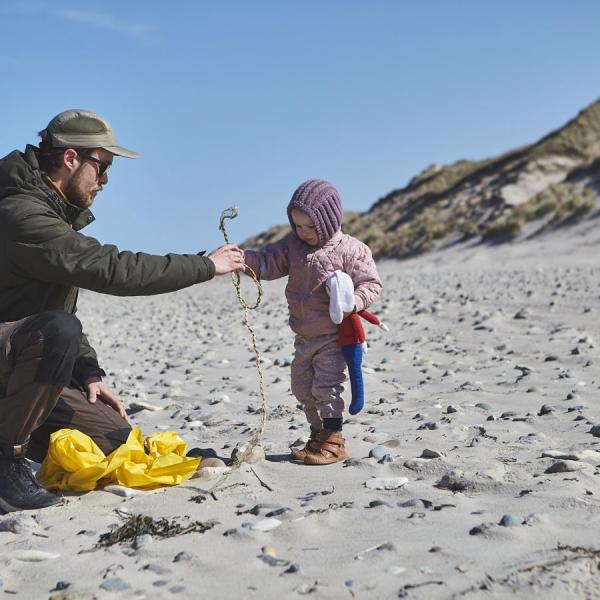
pixel 102 166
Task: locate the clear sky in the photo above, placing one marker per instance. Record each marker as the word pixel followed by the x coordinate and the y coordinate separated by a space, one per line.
pixel 238 102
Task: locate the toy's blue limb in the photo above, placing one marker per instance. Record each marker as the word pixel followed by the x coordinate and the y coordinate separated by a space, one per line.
pixel 353 356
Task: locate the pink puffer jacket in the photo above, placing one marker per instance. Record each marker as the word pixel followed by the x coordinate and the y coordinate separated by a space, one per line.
pixel 308 268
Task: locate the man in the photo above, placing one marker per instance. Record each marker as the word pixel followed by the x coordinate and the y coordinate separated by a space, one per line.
pixel 49 373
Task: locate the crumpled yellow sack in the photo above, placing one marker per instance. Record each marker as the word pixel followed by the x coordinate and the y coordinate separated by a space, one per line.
pixel 74 462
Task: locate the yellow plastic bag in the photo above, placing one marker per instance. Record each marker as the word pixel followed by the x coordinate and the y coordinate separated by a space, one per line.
pixel 74 462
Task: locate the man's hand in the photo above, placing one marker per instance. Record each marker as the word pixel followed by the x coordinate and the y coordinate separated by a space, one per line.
pixel 99 390
pixel 227 258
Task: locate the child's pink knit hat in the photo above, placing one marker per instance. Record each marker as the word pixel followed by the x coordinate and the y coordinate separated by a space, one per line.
pixel 320 201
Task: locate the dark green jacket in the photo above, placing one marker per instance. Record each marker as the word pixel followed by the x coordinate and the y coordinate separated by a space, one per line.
pixel 44 260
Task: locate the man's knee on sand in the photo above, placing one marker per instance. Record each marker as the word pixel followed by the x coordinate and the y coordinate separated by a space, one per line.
pixel 53 337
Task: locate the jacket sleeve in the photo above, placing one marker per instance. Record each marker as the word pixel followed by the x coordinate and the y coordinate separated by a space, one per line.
pixel 86 365
pixel 363 272
pixel 44 247
pixel 271 263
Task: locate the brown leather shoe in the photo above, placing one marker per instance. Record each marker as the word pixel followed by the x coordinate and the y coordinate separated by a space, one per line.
pixel 328 447
pixel 300 453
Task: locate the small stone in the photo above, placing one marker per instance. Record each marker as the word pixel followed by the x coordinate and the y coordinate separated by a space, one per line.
pixel 435 549
pixel 138 406
pixel 209 473
pixel 508 414
pixel 378 452
pixel 378 503
pixel 122 491
pixel 60 586
pixel 483 406
pixel 386 458
pixel 431 454
pixel 115 584
pixel 383 483
pixel 565 466
pixel 34 555
pixel 595 430
pixel 182 556
pixel 202 452
pixel 451 409
pixel 479 529
pixel 293 568
pixel 256 455
pixel 551 358
pixel 546 409
pixel 509 521
pixel 265 524
pixel 18 523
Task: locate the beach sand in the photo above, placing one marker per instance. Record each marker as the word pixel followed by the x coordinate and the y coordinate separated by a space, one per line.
pixel 482 396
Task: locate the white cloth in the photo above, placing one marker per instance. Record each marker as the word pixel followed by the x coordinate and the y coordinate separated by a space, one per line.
pixel 341 295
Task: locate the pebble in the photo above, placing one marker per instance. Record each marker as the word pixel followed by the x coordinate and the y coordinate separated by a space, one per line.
pixel 209 473
pixel 266 524
pixel 565 466
pixel 115 584
pixel 122 491
pixel 378 452
pixel 202 452
pixel 18 523
pixel 34 555
pixel 416 464
pixel 483 528
pixel 182 556
pixel 546 409
pixel 483 406
pixel 509 521
pixel 378 503
pixel 257 455
pixel 595 430
pixel 431 454
pixel 385 483
pixel 138 406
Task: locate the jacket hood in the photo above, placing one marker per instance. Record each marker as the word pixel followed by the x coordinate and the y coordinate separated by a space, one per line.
pixel 20 175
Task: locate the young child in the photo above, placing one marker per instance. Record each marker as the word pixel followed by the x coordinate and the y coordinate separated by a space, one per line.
pixel 309 254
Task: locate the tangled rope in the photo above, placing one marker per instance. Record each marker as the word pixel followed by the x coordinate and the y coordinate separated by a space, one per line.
pixel 231 213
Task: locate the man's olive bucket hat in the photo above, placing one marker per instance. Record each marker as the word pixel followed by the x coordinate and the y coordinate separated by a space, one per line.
pixel 78 128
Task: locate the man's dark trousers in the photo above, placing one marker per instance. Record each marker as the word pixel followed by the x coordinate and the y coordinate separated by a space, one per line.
pixel 38 394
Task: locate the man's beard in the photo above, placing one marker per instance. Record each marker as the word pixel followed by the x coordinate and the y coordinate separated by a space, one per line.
pixel 77 192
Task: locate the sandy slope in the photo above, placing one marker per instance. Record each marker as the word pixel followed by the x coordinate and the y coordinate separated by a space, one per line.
pixel 455 361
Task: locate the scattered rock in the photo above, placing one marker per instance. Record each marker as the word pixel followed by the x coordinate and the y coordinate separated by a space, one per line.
pixel 565 466
pixel 510 521
pixel 256 455
pixel 34 555
pixel 115 584
pixel 265 525
pixel 431 454
pixel 383 483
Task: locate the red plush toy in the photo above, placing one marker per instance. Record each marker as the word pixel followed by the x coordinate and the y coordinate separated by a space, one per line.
pixel 351 339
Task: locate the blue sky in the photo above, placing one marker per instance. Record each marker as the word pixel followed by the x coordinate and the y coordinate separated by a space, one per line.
pixel 238 102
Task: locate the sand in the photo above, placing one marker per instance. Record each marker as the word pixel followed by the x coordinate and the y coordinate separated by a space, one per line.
pixel 480 402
